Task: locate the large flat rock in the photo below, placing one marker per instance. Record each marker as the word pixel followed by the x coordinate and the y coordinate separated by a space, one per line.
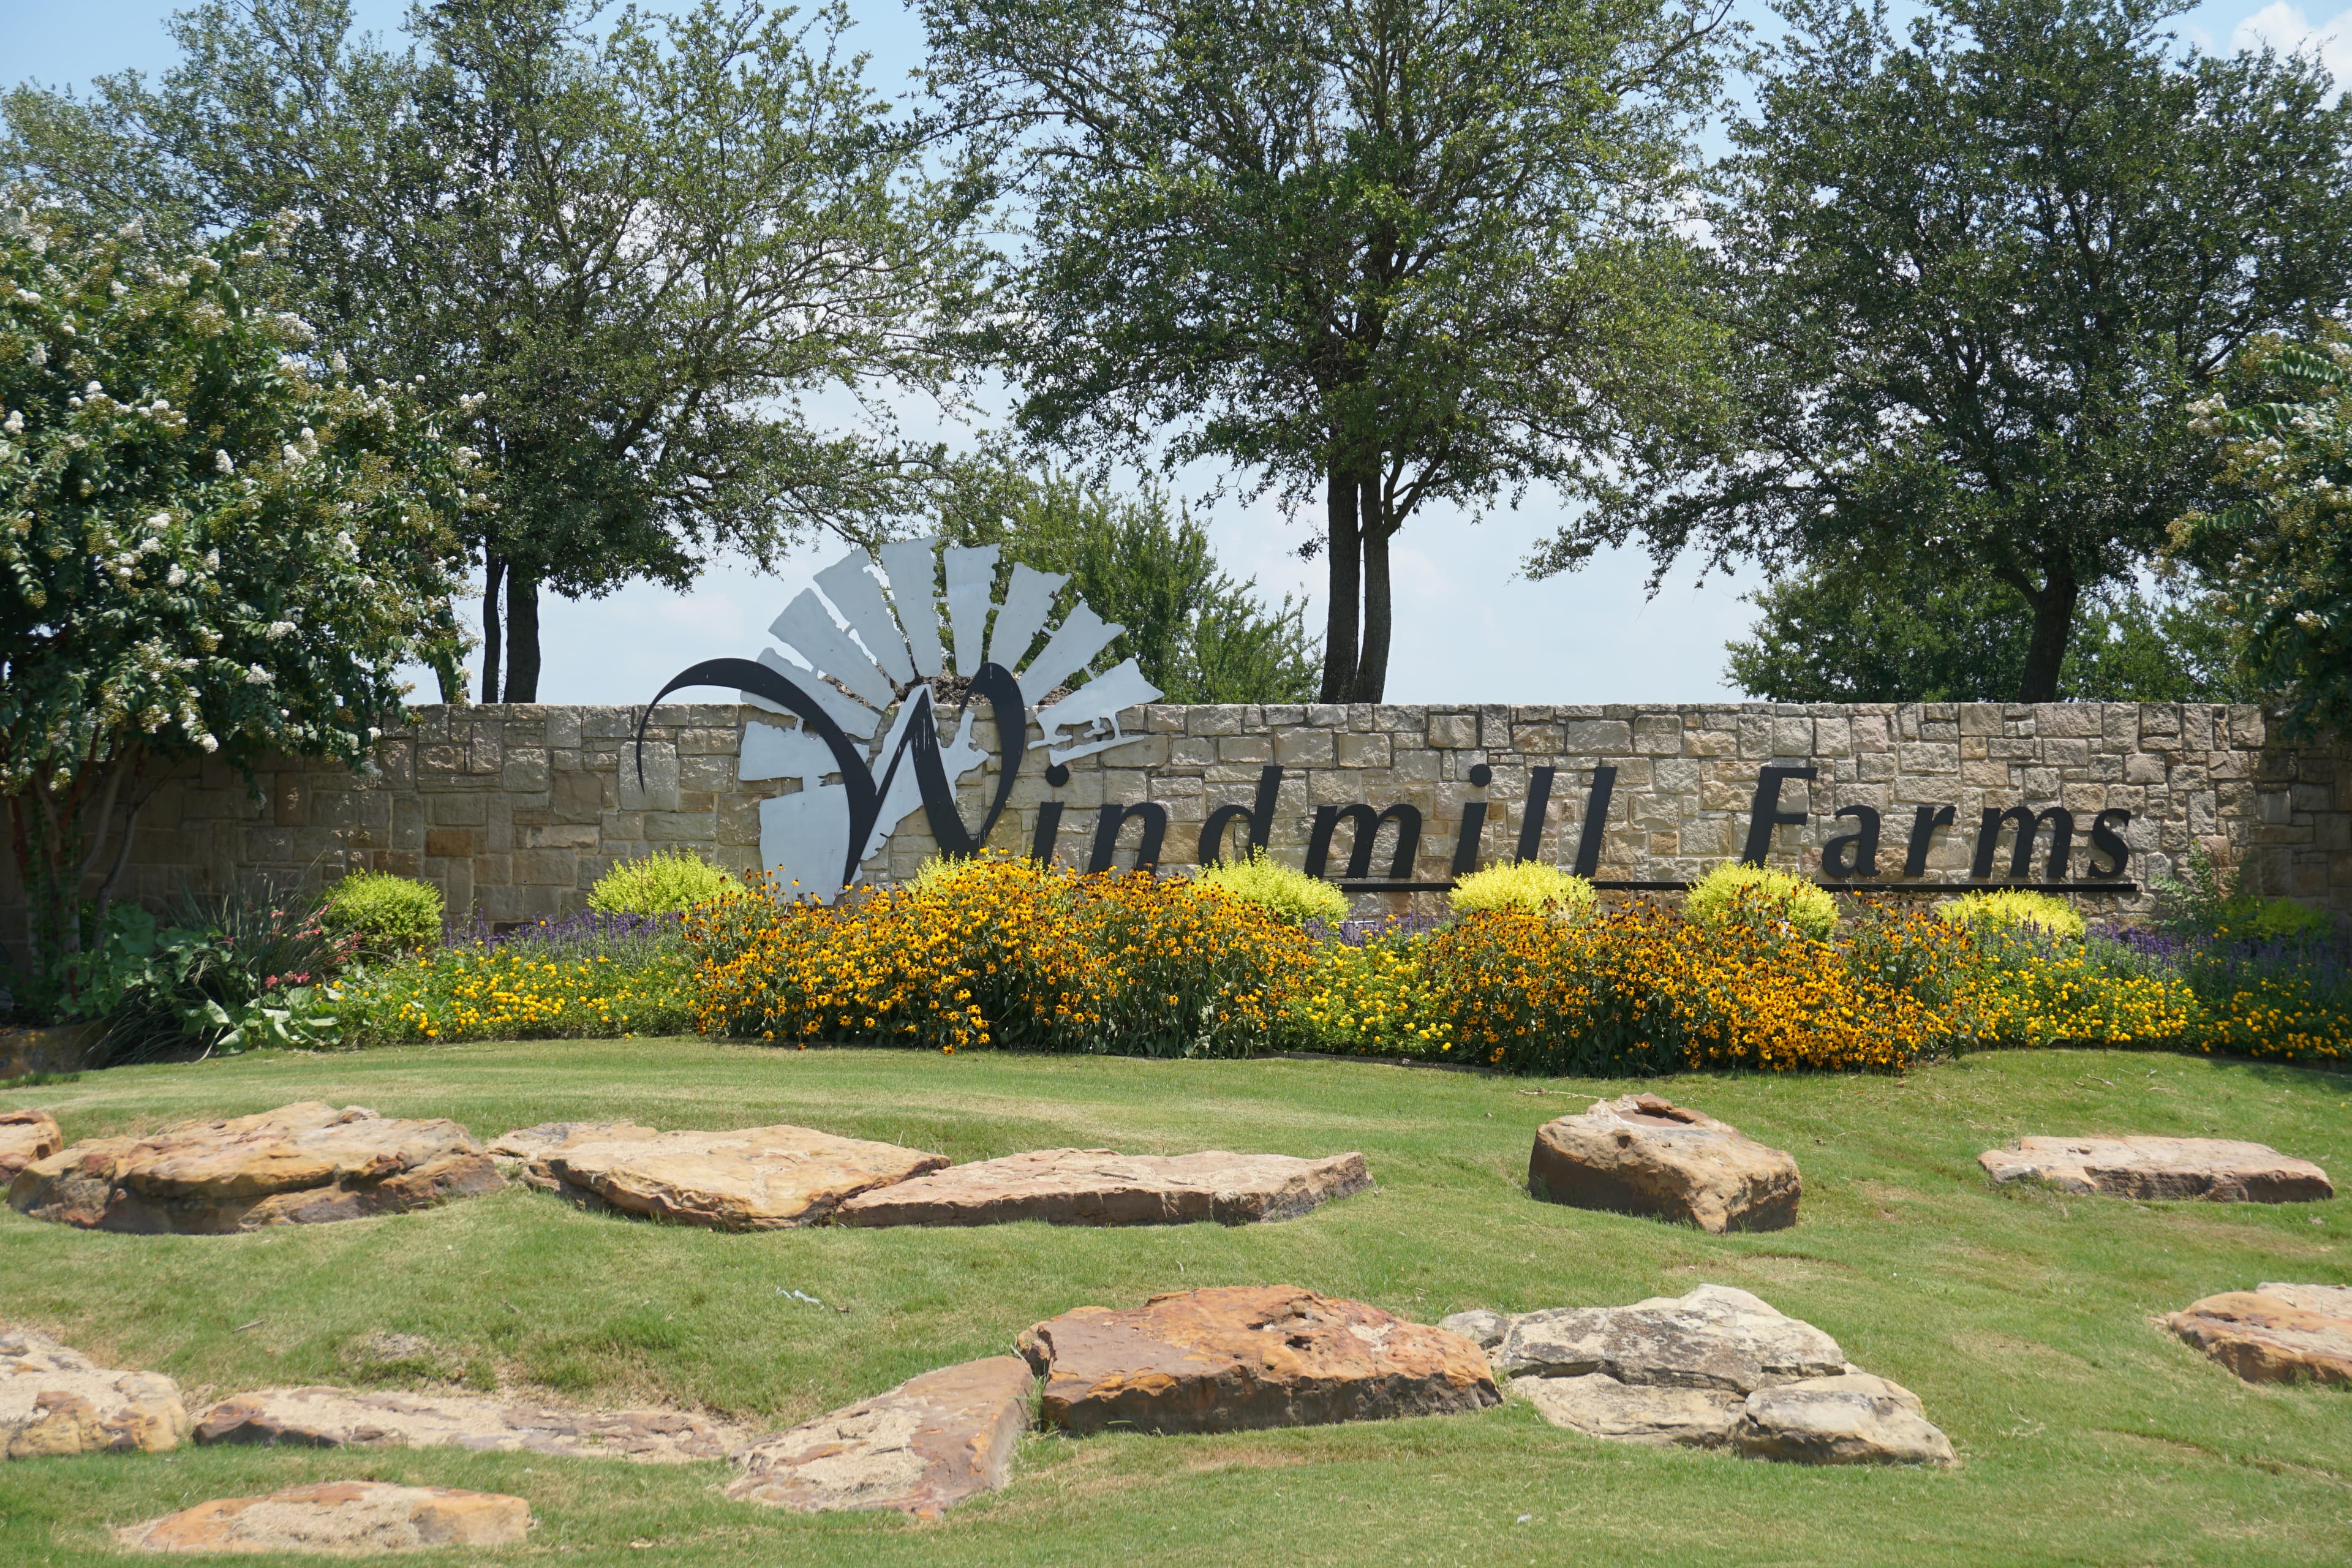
pixel 920 1450
pixel 1716 1368
pixel 758 1178
pixel 1714 1337
pixel 517 1149
pixel 340 1417
pixel 300 1164
pixel 2274 1332
pixel 1642 1154
pixel 2216 1168
pixel 1102 1186
pixel 55 1401
pixel 340 1517
pixel 1233 1358
pixel 26 1136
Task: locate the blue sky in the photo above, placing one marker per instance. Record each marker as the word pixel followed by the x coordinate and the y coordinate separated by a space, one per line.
pixel 1470 628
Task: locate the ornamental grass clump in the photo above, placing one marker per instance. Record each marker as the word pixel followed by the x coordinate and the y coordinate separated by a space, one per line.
pixel 665 882
pixel 385 915
pixel 1286 892
pixel 1735 894
pixel 1013 954
pixel 2012 908
pixel 1527 885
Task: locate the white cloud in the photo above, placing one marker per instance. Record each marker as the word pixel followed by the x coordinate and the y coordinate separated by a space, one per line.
pixel 2285 28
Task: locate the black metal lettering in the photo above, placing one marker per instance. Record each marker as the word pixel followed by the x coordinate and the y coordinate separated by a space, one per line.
pixel 1259 816
pixel 1154 818
pixel 1531 818
pixel 1923 833
pixel 1049 829
pixel 1474 827
pixel 1596 821
pixel 1365 828
pixel 2108 841
pixel 1854 856
pixel 1764 813
pixel 2028 823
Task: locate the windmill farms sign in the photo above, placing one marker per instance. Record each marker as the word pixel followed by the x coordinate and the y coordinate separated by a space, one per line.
pixel 870 668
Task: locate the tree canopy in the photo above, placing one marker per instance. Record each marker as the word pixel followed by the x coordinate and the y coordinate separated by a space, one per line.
pixel 212 543
pixel 1975 278
pixel 643 243
pixel 1401 252
pixel 1140 562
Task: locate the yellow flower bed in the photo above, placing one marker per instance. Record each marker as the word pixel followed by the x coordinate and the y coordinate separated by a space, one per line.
pixel 1378 999
pixel 483 993
pixel 1004 953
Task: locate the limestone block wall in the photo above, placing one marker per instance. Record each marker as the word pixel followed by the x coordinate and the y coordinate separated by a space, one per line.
pixel 515 811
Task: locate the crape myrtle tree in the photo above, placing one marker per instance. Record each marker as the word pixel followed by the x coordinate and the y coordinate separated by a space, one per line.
pixel 1401 252
pixel 642 243
pixel 2278 550
pixel 1977 276
pixel 211 542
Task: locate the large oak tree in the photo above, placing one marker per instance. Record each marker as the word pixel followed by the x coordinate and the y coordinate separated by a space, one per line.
pixel 1977 276
pixel 1397 251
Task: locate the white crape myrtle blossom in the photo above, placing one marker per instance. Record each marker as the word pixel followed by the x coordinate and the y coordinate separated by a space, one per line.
pixel 158 599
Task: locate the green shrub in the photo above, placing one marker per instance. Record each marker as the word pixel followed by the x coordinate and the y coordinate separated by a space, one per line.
pixel 1287 893
pixel 1729 892
pixel 665 882
pixel 388 914
pixel 2008 908
pixel 2275 919
pixel 1529 885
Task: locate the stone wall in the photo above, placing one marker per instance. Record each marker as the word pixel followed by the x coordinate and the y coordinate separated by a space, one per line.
pixel 515 811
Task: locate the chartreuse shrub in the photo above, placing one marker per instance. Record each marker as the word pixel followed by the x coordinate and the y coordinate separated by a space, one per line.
pixel 2009 909
pixel 1527 885
pixel 386 914
pixel 665 882
pixel 1014 954
pixel 1737 893
pixel 1286 892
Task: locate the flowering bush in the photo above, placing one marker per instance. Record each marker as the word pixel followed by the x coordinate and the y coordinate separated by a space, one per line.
pixel 1639 989
pixel 1012 954
pixel 1376 996
pixel 589 977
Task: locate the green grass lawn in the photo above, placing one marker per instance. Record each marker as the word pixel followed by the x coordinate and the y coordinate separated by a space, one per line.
pixel 2086 1434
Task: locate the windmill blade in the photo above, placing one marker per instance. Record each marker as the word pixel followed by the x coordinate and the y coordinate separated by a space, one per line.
pixel 970 574
pixel 859 598
pixel 1073 646
pixel 808 630
pixel 1021 617
pixel 910 563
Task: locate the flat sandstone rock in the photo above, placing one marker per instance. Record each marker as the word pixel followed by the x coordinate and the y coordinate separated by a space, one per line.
pixel 1236 1358
pixel 1642 1154
pixel 517 1149
pixel 55 1402
pixel 300 1164
pixel 921 1448
pixel 1716 1368
pixel 1101 1187
pixel 26 1136
pixel 2213 1168
pixel 340 1417
pixel 2274 1333
pixel 344 1517
pixel 759 1178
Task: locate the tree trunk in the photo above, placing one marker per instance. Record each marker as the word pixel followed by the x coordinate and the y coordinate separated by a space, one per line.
pixel 494 569
pixel 522 635
pixel 1339 625
pixel 2054 624
pixel 1372 663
